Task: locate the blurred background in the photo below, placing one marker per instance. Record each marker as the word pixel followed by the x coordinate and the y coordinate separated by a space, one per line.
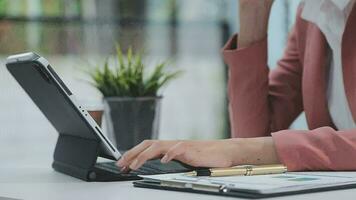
pixel 76 34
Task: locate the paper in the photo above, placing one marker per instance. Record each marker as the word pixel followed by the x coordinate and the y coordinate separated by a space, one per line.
pixel 290 181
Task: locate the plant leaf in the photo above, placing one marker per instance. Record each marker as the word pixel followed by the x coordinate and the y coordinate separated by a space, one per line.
pixel 128 79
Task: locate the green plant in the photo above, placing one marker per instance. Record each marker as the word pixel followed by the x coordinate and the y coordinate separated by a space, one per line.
pixel 128 78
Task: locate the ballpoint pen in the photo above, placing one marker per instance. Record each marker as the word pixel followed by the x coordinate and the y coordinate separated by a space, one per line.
pixel 241 170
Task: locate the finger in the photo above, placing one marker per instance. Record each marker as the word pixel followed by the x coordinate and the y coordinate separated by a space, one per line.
pixel 184 153
pixel 130 155
pixel 151 152
pixel 173 152
pixel 191 157
pixel 125 170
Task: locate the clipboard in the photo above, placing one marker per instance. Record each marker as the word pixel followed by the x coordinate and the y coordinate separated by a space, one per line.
pixel 223 190
pixel 236 193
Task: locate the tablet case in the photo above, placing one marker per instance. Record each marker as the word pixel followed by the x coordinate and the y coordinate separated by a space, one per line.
pixel 236 193
pixel 77 157
pixel 77 147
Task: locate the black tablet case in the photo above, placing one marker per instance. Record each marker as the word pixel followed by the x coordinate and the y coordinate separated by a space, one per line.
pixel 78 147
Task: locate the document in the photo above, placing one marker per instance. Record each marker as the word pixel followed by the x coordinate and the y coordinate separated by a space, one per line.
pixel 263 184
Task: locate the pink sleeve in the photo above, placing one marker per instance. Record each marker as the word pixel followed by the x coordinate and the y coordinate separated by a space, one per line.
pixel 261 102
pixel 319 149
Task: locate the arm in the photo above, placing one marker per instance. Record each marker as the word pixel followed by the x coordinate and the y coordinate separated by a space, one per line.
pixel 260 101
pixel 319 149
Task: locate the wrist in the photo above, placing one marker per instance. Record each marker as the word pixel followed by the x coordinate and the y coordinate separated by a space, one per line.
pixel 254 15
pixel 255 151
pixel 240 149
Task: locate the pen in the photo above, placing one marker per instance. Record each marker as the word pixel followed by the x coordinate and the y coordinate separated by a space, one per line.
pixel 241 170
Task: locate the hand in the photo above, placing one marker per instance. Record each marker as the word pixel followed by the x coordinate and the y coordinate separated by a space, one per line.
pixel 254 15
pixel 214 153
pixel 195 153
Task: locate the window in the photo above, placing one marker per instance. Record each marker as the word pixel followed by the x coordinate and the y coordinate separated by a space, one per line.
pixel 73 33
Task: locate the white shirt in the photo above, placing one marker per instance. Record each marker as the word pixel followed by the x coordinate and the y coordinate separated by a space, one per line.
pixel 331 17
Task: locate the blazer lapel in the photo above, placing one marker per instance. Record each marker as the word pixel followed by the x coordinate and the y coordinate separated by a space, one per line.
pixel 315 79
pixel 348 54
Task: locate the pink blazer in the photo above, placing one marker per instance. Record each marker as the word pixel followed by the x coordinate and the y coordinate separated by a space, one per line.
pixel 265 103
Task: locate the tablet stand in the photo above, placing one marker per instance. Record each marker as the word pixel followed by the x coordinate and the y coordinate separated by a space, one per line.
pixel 76 156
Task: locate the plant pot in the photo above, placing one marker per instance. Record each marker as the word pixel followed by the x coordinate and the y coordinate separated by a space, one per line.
pixel 132 120
pixel 96 115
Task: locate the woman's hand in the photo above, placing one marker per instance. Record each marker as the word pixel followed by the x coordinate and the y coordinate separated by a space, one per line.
pixel 215 153
pixel 254 15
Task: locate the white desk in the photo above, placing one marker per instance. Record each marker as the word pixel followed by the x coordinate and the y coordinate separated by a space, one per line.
pixel 25 173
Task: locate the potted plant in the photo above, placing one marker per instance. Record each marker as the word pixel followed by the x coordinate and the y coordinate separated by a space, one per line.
pixel 131 99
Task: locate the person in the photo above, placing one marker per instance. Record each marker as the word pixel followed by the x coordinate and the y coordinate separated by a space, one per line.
pixel 317 74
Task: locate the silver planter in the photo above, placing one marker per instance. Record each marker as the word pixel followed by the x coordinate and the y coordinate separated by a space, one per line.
pixel 132 120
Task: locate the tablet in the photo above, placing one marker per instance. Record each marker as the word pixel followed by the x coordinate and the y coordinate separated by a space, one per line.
pixel 56 101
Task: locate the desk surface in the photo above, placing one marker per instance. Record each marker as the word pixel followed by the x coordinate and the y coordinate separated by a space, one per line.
pixel 25 173
pixel 43 183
